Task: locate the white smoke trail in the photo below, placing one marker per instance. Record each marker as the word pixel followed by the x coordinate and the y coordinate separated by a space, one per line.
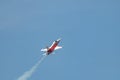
pixel 29 73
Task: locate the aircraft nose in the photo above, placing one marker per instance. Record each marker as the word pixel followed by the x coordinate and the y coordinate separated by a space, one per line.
pixel 59 39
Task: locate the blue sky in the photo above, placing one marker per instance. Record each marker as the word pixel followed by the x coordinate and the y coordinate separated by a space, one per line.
pixel 90 32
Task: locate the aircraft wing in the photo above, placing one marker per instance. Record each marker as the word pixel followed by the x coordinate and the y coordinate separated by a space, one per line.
pixel 44 49
pixel 58 47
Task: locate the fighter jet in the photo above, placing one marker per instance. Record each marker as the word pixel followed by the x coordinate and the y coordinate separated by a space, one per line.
pixel 53 47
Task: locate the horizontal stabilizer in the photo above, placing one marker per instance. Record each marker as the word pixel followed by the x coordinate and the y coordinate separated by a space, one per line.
pixel 44 54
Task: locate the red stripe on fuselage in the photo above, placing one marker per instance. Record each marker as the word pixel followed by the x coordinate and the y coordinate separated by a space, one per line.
pixel 50 50
pixel 53 47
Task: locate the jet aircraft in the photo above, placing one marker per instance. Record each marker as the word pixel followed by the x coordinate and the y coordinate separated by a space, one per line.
pixel 53 47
